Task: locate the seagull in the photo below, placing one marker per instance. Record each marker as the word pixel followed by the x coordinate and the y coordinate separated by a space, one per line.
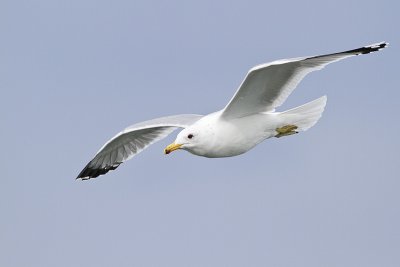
pixel 248 119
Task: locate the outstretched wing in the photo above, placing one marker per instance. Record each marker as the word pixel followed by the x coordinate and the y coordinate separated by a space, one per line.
pixel 133 140
pixel 267 86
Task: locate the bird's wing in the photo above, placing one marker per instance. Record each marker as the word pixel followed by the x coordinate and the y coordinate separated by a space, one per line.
pixel 133 140
pixel 267 86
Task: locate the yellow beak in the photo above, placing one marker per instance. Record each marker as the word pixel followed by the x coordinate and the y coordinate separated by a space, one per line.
pixel 171 148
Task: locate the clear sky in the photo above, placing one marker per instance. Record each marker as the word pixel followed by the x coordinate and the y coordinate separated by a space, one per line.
pixel 74 73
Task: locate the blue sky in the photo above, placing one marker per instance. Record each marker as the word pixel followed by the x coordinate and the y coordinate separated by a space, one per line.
pixel 74 73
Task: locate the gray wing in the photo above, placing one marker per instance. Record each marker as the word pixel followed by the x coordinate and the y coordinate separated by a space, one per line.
pixel 267 86
pixel 133 140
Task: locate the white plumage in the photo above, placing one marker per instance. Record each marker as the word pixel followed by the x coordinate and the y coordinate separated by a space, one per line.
pixel 248 119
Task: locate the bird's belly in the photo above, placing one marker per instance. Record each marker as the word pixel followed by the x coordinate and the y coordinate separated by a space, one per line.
pixel 225 152
pixel 227 147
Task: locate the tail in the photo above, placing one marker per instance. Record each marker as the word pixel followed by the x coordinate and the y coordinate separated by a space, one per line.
pixel 305 116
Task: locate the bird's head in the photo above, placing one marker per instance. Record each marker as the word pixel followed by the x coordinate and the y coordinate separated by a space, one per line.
pixel 188 139
pixel 197 139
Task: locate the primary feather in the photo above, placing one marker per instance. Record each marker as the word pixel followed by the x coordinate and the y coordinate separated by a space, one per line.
pixel 267 86
pixel 133 140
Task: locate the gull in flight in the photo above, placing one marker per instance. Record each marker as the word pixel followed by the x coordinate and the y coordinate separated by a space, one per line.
pixel 248 119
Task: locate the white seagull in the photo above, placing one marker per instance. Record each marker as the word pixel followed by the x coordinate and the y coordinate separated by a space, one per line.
pixel 248 119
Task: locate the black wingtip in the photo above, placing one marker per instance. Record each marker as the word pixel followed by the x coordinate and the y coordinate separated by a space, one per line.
pixel 92 172
pixel 359 51
pixel 370 48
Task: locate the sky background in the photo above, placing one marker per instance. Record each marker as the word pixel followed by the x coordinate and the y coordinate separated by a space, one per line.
pixel 74 73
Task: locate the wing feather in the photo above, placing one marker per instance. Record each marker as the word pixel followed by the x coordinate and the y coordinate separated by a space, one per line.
pixel 267 86
pixel 132 141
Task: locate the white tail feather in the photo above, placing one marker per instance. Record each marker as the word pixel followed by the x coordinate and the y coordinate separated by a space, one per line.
pixel 305 116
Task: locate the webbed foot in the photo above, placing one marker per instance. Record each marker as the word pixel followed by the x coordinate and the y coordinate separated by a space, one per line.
pixel 286 130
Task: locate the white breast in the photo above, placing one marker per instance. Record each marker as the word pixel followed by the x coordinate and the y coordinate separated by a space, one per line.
pixel 227 138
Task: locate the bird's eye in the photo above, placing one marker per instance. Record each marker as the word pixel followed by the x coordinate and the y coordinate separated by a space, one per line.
pixel 190 136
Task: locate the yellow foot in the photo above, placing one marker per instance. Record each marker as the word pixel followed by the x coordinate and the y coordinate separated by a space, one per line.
pixel 286 130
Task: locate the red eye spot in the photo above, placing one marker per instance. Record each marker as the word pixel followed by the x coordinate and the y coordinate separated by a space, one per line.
pixel 190 136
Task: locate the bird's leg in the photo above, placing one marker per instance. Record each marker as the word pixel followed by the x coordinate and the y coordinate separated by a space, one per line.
pixel 286 130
